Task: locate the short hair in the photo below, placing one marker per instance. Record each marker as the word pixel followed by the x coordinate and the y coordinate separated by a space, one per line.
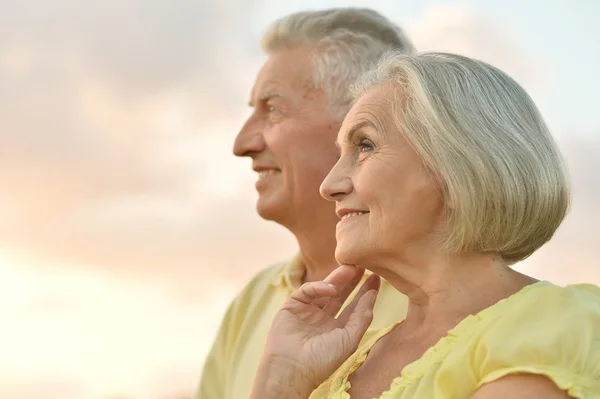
pixel 348 42
pixel 503 180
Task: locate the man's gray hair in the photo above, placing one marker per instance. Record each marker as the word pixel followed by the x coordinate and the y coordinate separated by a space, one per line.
pixel 348 42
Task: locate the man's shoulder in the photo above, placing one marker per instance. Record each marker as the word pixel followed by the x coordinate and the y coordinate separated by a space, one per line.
pixel 251 301
pixel 263 283
pixel 267 276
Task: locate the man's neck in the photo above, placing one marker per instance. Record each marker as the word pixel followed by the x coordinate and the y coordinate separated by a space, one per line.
pixel 317 253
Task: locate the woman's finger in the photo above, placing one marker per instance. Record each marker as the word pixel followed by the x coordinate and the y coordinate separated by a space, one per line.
pixel 335 304
pixel 342 275
pixel 360 318
pixel 322 302
pixel 310 292
pixel 372 283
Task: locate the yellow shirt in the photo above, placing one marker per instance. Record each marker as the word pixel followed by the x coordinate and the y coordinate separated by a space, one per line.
pixel 231 365
pixel 543 329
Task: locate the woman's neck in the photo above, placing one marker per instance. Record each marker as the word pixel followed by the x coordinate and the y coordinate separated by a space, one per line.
pixel 444 289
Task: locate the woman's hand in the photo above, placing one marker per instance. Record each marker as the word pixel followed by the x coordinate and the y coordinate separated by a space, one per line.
pixel 306 342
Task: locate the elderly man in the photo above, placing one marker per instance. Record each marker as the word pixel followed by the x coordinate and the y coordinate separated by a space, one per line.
pixel 299 99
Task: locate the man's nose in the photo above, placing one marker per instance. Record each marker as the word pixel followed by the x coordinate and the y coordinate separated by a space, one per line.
pixel 249 140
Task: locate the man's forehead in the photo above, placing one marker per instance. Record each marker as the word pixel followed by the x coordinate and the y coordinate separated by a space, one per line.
pixel 284 73
pixel 267 84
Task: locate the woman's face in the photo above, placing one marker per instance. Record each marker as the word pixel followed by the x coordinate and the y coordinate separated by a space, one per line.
pixel 389 203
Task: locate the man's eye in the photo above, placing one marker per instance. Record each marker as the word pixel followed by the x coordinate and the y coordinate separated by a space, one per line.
pixel 272 108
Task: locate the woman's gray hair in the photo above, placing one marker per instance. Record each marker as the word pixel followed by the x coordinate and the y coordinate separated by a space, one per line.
pixel 348 42
pixel 503 179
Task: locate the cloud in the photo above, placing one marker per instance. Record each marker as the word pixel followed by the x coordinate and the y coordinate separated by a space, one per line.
pixel 89 335
pixel 117 120
pixel 462 30
pixel 572 255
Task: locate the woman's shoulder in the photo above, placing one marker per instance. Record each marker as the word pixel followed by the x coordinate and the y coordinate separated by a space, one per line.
pixel 546 310
pixel 568 305
pixel 549 330
pixel 567 292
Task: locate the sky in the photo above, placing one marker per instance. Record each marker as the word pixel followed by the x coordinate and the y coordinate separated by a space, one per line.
pixel 127 225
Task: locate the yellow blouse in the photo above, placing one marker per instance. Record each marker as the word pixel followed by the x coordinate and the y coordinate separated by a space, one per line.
pixel 542 329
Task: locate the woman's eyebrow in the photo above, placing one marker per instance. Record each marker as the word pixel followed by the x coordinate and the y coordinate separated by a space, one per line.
pixel 354 129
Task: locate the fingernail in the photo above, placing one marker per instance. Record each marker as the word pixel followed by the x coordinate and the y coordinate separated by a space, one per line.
pixel 331 285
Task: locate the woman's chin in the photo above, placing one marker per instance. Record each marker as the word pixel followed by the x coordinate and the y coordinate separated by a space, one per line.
pixel 347 253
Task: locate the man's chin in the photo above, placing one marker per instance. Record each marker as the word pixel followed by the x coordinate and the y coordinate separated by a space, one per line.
pixel 269 208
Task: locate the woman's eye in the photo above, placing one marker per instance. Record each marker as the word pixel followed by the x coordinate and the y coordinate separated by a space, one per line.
pixel 365 145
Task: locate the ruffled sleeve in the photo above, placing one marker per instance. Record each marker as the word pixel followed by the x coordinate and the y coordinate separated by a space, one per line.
pixel 555 334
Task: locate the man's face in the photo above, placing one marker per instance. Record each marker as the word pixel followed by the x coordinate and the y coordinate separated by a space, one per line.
pixel 290 137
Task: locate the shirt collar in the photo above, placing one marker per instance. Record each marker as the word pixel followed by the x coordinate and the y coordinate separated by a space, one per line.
pixel 290 275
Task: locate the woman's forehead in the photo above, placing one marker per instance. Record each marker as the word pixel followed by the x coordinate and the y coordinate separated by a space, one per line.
pixel 377 95
pixel 377 101
pixel 373 107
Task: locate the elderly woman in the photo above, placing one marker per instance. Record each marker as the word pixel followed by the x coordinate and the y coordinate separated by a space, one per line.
pixel 447 176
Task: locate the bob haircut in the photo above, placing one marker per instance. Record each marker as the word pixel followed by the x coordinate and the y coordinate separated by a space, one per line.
pixel 503 180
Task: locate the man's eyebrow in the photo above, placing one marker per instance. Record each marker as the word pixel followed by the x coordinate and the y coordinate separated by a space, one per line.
pixel 355 128
pixel 265 97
